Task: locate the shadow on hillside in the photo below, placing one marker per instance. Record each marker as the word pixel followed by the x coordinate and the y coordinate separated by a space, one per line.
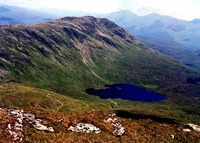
pixel 126 114
pixel 192 112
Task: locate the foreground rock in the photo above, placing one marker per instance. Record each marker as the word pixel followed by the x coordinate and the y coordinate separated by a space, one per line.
pixel 37 123
pixel 15 130
pixel 193 127
pixel 119 129
pixel 186 130
pixel 85 127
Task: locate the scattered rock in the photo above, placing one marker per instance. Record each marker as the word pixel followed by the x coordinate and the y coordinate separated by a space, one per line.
pixel 112 115
pixel 85 127
pixel 16 130
pixel 37 123
pixel 29 117
pixel 60 120
pixel 193 127
pixel 119 129
pixel 186 130
pixel 172 136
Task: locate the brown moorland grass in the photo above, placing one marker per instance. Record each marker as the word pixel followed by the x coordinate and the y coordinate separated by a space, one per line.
pixel 141 123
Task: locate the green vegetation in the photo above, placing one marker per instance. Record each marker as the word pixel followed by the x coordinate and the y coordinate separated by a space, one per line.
pixel 143 122
pixel 67 56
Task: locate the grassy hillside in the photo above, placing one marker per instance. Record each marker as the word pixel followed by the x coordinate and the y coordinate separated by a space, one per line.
pixel 72 54
pixel 143 122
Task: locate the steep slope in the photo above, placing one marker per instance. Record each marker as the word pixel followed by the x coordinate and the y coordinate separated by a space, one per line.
pixel 184 54
pixel 153 26
pixel 71 54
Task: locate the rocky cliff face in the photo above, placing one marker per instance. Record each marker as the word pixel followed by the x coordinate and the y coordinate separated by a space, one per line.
pixel 71 54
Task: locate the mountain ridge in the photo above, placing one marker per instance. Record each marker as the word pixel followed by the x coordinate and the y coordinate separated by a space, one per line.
pixel 160 27
pixel 21 15
pixel 85 42
pixel 50 65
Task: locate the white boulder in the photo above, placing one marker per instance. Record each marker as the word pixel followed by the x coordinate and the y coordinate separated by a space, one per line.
pixel 84 127
pixel 194 127
pixel 186 130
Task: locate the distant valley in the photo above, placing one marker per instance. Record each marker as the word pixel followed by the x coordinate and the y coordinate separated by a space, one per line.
pixel 176 38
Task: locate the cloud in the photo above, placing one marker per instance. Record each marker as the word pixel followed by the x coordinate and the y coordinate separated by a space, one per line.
pixel 99 6
pixel 184 9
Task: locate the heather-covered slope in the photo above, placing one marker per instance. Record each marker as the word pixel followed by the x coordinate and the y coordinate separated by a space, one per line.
pixel 71 54
pixel 142 122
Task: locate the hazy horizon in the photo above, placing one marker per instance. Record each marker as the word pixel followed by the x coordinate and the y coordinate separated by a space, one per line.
pixel 181 9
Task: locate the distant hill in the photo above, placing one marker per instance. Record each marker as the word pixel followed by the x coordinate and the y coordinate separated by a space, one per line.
pixel 184 32
pixel 174 49
pixel 155 27
pixel 19 15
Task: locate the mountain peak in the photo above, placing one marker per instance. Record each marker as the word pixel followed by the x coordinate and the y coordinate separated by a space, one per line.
pixel 126 12
pixel 195 21
pixel 154 15
pixel 91 18
pixel 123 13
pixel 93 25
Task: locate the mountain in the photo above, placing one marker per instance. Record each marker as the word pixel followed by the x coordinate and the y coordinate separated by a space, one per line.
pixel 47 55
pixel 174 49
pixel 20 15
pixel 45 69
pixel 167 31
pixel 153 27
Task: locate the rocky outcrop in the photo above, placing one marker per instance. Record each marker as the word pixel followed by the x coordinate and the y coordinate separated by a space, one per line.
pixel 37 123
pixel 186 130
pixel 84 127
pixel 192 127
pixel 87 128
pixel 16 130
pixel 119 130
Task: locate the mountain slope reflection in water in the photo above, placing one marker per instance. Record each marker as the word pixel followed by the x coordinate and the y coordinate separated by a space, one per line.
pixel 125 91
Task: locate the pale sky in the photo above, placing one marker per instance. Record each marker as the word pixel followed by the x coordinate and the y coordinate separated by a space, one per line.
pixel 183 9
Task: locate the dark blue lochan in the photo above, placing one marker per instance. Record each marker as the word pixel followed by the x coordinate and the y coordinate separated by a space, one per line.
pixel 125 91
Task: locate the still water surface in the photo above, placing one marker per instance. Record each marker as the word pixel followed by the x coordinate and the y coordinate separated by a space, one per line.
pixel 125 91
